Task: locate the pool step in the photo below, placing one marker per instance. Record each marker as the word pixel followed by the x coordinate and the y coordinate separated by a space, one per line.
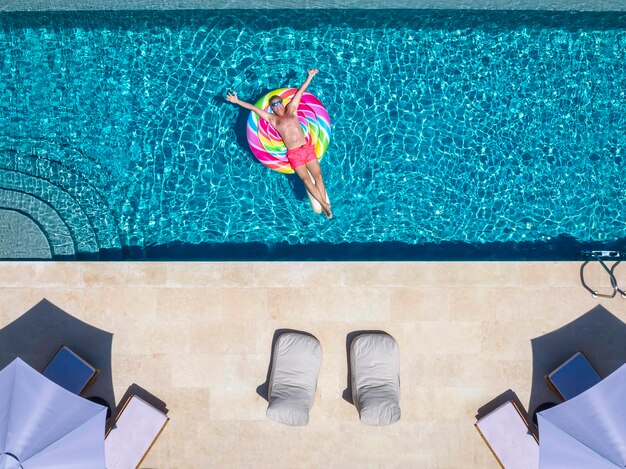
pixel 83 208
pixel 48 221
pixel 83 235
pixel 21 238
pixel 93 204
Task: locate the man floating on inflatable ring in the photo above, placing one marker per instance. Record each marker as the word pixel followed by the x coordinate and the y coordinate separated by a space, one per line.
pixel 301 155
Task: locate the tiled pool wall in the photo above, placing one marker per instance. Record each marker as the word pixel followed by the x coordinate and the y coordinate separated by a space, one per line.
pixel 77 5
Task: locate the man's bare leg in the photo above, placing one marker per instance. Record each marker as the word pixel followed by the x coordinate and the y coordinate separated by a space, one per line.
pixel 314 168
pixel 303 172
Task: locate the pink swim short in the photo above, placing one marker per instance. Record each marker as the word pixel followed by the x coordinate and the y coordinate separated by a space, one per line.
pixel 301 155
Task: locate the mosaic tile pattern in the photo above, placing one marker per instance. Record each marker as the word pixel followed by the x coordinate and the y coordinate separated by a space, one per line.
pixel 44 217
pixel 21 238
pixel 107 5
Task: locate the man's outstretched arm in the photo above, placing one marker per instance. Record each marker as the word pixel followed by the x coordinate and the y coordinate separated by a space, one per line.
pixel 295 102
pixel 232 98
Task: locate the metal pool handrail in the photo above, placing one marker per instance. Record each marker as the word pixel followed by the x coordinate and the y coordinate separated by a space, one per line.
pixel 602 256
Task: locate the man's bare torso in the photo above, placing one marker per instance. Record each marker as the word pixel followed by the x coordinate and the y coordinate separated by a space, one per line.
pixel 288 126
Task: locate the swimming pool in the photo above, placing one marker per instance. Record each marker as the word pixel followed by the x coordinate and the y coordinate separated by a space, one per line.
pixel 455 134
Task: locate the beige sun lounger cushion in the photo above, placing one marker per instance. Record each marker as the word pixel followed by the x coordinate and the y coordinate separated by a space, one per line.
pixel 506 433
pixel 136 428
pixel 375 368
pixel 293 379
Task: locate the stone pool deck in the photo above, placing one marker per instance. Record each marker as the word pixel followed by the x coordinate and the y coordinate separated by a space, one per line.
pixel 198 336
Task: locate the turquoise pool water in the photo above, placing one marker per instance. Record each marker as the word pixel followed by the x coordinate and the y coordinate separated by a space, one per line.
pixel 450 130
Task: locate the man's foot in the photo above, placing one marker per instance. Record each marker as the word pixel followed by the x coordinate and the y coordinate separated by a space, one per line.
pixel 327 211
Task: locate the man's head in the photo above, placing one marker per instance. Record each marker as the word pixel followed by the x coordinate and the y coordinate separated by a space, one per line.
pixel 276 104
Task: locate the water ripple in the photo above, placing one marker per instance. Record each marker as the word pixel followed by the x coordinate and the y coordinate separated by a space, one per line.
pixel 470 127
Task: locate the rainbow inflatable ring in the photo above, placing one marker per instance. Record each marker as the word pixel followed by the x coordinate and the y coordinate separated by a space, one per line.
pixel 267 145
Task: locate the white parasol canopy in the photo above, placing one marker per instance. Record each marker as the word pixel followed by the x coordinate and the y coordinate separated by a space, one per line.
pixel 587 431
pixel 45 426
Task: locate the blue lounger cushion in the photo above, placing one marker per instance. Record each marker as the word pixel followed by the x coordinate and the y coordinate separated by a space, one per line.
pixel 69 371
pixel 574 376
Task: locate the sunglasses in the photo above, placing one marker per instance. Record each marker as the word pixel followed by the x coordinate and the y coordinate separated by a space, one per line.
pixel 273 105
